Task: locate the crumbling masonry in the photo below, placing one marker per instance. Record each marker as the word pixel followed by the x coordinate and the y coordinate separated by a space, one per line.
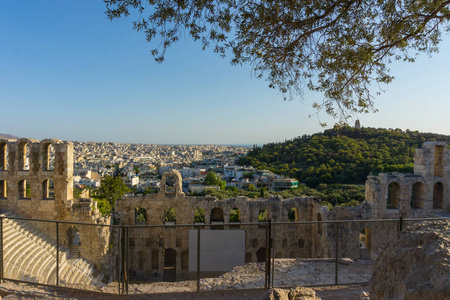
pixel 152 251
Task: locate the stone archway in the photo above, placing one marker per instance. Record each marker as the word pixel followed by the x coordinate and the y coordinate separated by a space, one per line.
pixel 417 195
pixel 365 242
pixel 170 265
pixel 178 190
pixel 393 196
pixel 438 196
pixel 261 255
pixel 73 235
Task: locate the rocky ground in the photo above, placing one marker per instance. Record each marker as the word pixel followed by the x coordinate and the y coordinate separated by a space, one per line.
pixel 243 282
pixel 415 266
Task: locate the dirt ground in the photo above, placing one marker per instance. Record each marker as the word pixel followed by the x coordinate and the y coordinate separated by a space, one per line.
pixel 14 290
pixel 243 282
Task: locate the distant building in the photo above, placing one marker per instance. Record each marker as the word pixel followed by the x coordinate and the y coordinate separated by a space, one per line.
pixel 284 184
pixel 131 180
pixel 87 182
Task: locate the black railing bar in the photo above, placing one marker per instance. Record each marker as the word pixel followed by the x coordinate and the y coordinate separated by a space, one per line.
pixel 359 221
pixel 62 287
pixel 230 224
pixel 198 225
pixel 426 219
pixel 286 223
pixel 63 222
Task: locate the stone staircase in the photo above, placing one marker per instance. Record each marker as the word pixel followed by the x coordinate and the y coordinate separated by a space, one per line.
pixel 30 255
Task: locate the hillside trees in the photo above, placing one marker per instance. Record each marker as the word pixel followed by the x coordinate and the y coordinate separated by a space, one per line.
pixel 337 47
pixel 343 155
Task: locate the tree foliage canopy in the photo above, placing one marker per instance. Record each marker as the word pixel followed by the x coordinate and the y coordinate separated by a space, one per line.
pixel 343 155
pixel 212 179
pixel 337 47
pixel 111 189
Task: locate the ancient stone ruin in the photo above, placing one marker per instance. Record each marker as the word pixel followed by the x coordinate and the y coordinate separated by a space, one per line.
pixel 36 183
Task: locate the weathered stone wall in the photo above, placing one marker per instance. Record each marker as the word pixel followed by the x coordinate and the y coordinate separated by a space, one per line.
pixel 40 204
pixel 413 195
pixel 388 196
pixel 148 245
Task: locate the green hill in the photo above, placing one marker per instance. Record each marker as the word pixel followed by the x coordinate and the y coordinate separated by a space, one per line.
pixel 343 155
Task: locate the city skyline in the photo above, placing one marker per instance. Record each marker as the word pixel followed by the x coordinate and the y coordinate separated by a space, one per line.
pixel 69 73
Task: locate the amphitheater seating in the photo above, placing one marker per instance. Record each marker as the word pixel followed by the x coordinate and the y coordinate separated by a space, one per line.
pixel 30 255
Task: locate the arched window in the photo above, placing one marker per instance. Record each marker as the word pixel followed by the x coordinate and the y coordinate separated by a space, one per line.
pixel 293 215
pixel 141 260
pixel 140 216
pixel 393 195
pixel 171 215
pixel 319 225
pixel 263 215
pixel 48 191
pixel 261 255
pixel 418 195
pixel 4 156
pixel 171 182
pixel 235 215
pixel 365 242
pixel 438 196
pixel 24 156
pixel 217 215
pixel 3 189
pixel 438 161
pixel 199 215
pixel 24 190
pixel 73 236
pixel 170 263
pixel 48 157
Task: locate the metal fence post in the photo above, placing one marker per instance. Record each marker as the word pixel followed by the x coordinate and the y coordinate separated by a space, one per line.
pixel 269 251
pixel 126 261
pixel 122 277
pixel 119 265
pixel 1 249
pixel 273 253
pixel 337 255
pixel 198 258
pixel 267 261
pixel 57 254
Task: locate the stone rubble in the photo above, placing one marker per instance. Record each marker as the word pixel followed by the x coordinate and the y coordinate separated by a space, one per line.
pixel 416 265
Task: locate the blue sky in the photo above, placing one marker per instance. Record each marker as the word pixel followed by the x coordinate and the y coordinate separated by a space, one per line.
pixel 68 72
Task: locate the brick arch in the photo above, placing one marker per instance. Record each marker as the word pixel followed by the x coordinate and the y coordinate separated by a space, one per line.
pixel 417 195
pixel 438 195
pixel 46 156
pixel 3 189
pixel 48 189
pixel 292 215
pixel 393 195
pixel 178 182
pixel 5 145
pixel 217 215
pixel 24 153
pixel 21 189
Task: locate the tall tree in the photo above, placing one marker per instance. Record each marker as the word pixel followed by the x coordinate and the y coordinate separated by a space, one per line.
pixel 211 179
pixel 337 47
pixel 111 189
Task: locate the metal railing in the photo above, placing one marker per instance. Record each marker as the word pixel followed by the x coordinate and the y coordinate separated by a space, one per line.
pixel 334 235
